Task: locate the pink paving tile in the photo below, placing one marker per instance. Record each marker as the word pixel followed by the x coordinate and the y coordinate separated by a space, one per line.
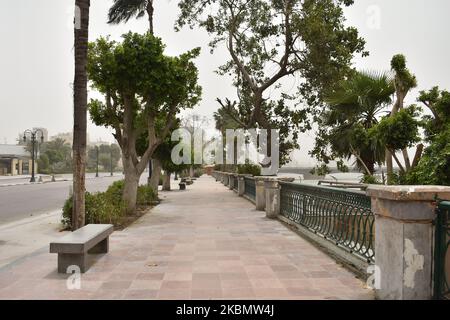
pixel 169 284
pixel 116 285
pixel 174 294
pixel 145 285
pixel 206 293
pixel 180 276
pixel 238 293
pixel 140 294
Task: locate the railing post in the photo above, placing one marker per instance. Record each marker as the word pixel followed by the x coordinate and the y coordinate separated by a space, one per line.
pixel 272 188
pixel 241 184
pixel 260 196
pixel 231 181
pixel 404 218
pixel 226 179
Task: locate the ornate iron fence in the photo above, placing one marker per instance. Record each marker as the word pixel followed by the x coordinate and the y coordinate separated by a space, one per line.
pixel 442 252
pixel 250 187
pixel 341 216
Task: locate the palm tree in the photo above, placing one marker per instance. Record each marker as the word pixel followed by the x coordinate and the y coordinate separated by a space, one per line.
pixel 124 10
pixel 80 111
pixel 354 107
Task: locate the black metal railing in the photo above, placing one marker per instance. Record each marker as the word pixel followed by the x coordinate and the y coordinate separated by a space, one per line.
pixel 250 187
pixel 442 253
pixel 341 216
pixel 235 183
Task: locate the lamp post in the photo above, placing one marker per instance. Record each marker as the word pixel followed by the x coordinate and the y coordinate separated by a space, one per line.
pixel 96 171
pixel 33 134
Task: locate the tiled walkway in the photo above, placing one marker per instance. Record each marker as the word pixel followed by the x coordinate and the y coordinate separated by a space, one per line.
pixel 204 243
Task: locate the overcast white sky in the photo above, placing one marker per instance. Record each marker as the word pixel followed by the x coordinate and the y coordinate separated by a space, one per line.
pixel 36 56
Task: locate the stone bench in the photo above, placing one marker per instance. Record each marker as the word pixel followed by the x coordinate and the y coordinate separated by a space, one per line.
pixel 73 248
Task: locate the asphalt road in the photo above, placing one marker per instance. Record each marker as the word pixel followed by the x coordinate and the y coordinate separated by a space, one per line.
pixel 22 201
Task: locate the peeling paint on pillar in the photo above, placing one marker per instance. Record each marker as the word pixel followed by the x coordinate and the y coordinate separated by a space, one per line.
pixel 414 262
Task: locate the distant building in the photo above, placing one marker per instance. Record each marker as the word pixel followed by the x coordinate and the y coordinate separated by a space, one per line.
pixel 15 160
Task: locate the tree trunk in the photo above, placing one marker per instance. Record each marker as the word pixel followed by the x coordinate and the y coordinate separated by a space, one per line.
pixel 81 30
pixel 191 171
pixel 389 167
pixel 150 10
pixel 166 183
pixel 156 173
pixel 150 168
pixel 130 191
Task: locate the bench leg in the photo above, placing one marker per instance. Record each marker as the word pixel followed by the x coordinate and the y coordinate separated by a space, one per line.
pixel 101 247
pixel 65 260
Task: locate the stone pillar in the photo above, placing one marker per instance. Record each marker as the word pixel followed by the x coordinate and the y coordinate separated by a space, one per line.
pixel 404 239
pixel 226 180
pixel 260 199
pixel 20 166
pixel 13 167
pixel 231 181
pixel 30 164
pixel 241 184
pixel 272 198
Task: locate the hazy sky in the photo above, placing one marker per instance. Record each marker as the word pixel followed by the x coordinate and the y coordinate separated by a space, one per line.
pixel 36 56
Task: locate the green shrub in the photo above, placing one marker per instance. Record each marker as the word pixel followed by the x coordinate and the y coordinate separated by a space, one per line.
pixel 369 179
pixel 100 208
pixel 108 207
pixel 249 168
pixel 198 173
pixel 146 195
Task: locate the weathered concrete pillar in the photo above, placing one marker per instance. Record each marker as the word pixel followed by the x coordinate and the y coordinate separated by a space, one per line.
pixel 404 239
pixel 231 181
pixel 260 199
pixel 20 166
pixel 272 198
pixel 241 184
pixel 14 170
pixel 226 180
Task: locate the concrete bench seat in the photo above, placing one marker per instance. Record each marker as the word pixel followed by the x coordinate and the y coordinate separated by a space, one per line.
pixel 73 248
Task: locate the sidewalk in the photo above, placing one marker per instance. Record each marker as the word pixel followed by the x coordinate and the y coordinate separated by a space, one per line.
pixel 204 243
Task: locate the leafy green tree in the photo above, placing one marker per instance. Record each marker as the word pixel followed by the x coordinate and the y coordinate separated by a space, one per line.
pixel 140 84
pixel 434 166
pixel 268 40
pixel 404 81
pixel 399 132
pixel 55 157
pixel 354 106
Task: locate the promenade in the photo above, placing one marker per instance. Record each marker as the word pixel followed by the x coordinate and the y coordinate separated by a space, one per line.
pixel 203 243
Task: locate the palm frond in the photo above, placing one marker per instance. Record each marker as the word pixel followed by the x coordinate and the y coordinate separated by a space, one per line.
pixel 124 10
